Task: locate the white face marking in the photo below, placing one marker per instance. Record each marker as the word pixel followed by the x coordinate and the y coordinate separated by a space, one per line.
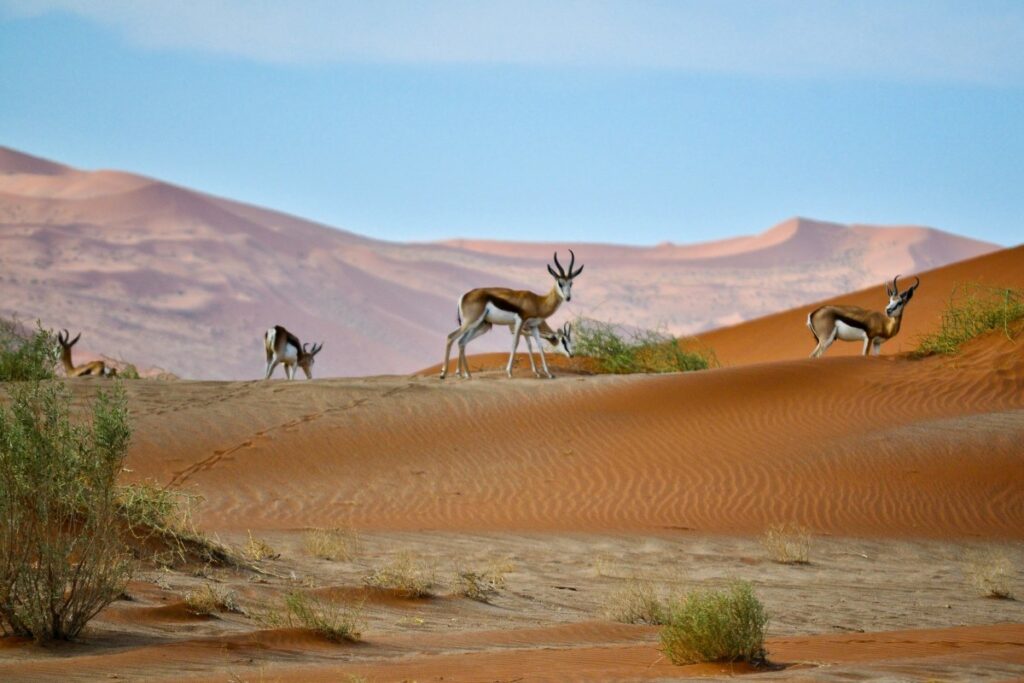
pixel 564 288
pixel 895 303
pixel 849 333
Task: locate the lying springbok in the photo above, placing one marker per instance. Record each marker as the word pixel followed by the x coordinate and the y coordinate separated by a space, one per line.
pixel 522 310
pixel 97 368
pixel 852 323
pixel 284 347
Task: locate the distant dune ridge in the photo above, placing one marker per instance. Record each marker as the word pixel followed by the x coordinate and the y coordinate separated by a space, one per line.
pixel 165 276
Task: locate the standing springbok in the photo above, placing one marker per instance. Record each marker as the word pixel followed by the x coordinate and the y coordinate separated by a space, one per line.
pixel 284 347
pixel 852 323
pixel 96 368
pixel 522 310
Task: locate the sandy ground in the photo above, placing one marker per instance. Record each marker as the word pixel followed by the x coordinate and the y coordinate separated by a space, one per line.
pixel 905 471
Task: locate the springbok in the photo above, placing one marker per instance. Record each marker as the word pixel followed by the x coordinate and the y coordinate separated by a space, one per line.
pixel 852 323
pixel 96 368
pixel 284 347
pixel 522 310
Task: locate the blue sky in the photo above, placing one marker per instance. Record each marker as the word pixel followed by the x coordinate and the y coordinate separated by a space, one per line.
pixel 630 122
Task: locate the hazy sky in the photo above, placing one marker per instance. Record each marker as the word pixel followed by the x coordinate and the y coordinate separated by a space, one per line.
pixel 628 121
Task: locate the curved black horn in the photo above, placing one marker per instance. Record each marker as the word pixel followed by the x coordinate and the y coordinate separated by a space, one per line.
pixel 895 287
pixel 917 281
pixel 561 271
pixel 317 347
pixel 62 336
pixel 75 340
pixel 572 261
pixel 305 348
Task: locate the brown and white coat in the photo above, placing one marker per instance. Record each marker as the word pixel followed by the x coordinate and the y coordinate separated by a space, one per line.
pixel 853 323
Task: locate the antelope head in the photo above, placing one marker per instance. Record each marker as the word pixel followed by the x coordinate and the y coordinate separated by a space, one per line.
pixel 64 336
pixel 307 357
pixel 898 300
pixel 565 339
pixel 563 279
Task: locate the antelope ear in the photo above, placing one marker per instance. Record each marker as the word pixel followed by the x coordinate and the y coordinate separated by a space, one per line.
pixel 552 271
pixel 567 329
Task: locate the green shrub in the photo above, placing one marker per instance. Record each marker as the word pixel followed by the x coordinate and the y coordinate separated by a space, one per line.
pixel 973 310
pixel 24 355
pixel 716 626
pixel 641 351
pixel 62 554
pixel 129 371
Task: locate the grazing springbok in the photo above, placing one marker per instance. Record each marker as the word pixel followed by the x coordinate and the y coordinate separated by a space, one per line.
pixel 97 368
pixel 284 347
pixel 522 310
pixel 852 323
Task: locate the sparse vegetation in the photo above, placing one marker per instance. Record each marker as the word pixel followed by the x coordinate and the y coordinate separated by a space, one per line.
pixel 636 602
pixel 991 572
pixel 716 626
pixel 405 576
pixel 332 544
pixel 787 544
pixel 973 310
pixel 257 549
pixel 479 585
pixel 163 516
pixel 208 601
pixel 129 371
pixel 642 351
pixel 63 555
pixel 334 622
pixel 24 355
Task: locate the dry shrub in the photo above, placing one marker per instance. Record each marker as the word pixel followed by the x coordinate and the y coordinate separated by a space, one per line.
pixel 63 555
pixel 479 585
pixel 788 543
pixel 162 516
pixel 991 572
pixel 334 622
pixel 332 544
pixel 635 603
pixel 716 626
pixel 405 576
pixel 257 549
pixel 208 601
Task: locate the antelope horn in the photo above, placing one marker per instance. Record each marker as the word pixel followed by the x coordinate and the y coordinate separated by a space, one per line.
pixel 895 287
pixel 317 347
pixel 561 272
pixel 572 261
pixel 62 337
pixel 75 340
pixel 305 348
pixel 917 281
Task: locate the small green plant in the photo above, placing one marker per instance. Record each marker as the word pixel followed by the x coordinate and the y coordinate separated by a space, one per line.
pixel 129 371
pixel 641 351
pixel 63 555
pixel 635 603
pixel 716 626
pixel 331 544
pixel 787 544
pixel 991 572
pixel 26 356
pixel 973 310
pixel 337 623
pixel 403 575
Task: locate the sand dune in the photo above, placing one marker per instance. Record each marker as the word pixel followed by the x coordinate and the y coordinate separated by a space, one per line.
pixel 166 276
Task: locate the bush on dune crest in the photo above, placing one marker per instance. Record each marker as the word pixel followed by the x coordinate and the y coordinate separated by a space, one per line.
pixel 973 310
pixel 26 355
pixel 641 351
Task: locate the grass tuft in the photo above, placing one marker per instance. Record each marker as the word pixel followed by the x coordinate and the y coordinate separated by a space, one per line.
pixel 332 544
pixel 257 549
pixel 209 601
pixel 337 623
pixel 635 603
pixel 973 310
pixel 716 626
pixel 480 586
pixel 991 572
pixel 641 351
pixel 405 576
pixel 788 543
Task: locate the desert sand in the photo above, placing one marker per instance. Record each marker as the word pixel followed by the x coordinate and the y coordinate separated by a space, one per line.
pixel 905 471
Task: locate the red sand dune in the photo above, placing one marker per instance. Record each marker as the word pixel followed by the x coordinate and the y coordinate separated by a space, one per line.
pixel 166 276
